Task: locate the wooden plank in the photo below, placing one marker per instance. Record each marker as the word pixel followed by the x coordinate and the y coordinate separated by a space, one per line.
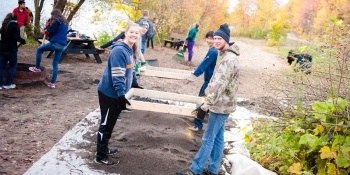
pixel 163 74
pixel 166 96
pixel 169 70
pixel 162 108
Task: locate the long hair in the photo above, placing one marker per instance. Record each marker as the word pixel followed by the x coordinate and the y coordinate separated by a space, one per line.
pixel 56 15
pixel 6 22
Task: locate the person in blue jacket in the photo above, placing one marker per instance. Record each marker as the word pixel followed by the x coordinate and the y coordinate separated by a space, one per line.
pixel 57 34
pixel 207 67
pixel 116 81
pixel 10 35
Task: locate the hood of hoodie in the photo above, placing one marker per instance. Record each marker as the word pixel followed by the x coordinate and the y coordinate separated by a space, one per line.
pixel 233 47
pixel 122 44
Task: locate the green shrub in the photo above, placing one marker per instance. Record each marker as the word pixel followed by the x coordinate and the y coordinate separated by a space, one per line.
pixel 103 38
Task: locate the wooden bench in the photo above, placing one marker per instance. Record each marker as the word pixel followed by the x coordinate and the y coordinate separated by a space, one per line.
pixel 176 41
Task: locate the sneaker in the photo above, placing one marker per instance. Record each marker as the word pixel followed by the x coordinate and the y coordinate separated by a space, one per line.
pixel 12 86
pixel 1 87
pixel 126 110
pixel 207 172
pixel 194 128
pixel 34 69
pixel 51 85
pixel 106 161
pixel 186 173
pixel 112 151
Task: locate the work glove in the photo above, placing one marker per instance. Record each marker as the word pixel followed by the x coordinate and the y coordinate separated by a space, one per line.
pixel 199 113
pixel 144 63
pixel 191 78
pixel 122 101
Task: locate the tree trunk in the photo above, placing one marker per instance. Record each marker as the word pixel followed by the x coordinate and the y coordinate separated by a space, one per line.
pixel 38 7
pixel 60 4
pixel 75 10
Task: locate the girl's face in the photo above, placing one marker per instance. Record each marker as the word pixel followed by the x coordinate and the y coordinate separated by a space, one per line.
pixel 132 35
pixel 219 42
pixel 210 41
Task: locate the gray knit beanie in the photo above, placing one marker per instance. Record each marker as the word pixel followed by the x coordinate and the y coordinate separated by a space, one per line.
pixel 223 32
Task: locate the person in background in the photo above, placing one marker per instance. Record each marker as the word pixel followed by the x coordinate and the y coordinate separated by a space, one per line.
pixel 207 67
pixel 150 31
pixel 57 34
pixel 23 18
pixel 30 15
pixel 150 40
pixel 219 102
pixel 115 82
pixel 10 35
pixel 191 39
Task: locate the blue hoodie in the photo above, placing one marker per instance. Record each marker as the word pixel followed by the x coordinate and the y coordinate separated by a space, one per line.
pixel 207 65
pixel 58 32
pixel 117 76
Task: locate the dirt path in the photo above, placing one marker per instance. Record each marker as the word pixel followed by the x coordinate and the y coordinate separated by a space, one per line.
pixel 33 117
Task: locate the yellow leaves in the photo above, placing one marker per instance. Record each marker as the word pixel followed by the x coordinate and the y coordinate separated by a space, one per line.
pixel 331 169
pixel 318 130
pixel 326 153
pixel 295 168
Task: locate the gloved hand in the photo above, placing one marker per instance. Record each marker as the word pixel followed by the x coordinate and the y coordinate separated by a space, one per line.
pixel 199 113
pixel 191 78
pixel 122 101
pixel 144 63
pixel 46 33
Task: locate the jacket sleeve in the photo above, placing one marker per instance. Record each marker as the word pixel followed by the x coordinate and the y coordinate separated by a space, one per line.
pixel 27 19
pixel 224 72
pixel 16 34
pixel 190 35
pixel 118 69
pixel 209 58
pixel 53 27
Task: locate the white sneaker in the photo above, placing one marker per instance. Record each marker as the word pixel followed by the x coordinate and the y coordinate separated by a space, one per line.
pixel 1 87
pixel 120 118
pixel 127 110
pixel 12 86
pixel 194 128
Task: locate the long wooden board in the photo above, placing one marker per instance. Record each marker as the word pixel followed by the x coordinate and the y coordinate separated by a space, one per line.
pixel 166 73
pixel 163 108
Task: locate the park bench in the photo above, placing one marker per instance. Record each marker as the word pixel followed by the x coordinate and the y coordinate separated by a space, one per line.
pixel 176 41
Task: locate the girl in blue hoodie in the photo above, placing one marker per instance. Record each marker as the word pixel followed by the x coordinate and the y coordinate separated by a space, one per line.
pixel 57 34
pixel 116 81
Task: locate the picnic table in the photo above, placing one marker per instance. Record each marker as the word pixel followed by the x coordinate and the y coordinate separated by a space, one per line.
pixel 79 46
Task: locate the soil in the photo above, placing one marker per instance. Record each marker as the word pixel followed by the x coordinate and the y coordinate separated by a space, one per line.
pixel 34 117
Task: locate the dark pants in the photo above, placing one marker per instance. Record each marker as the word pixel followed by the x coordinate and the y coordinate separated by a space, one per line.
pixel 190 45
pixel 148 41
pixel 10 59
pixel 109 115
pixel 202 90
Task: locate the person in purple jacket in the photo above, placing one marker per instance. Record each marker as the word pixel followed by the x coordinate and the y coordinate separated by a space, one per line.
pixel 57 34
pixel 116 81
pixel 207 67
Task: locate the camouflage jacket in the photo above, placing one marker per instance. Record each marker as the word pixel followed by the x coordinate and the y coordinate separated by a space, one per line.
pixel 223 86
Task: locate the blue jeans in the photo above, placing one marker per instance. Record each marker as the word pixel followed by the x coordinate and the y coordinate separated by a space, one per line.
pixel 58 48
pixel 143 48
pixel 9 58
pixel 212 147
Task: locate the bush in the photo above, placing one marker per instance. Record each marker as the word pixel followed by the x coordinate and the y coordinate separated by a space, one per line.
pixel 103 38
pixel 314 136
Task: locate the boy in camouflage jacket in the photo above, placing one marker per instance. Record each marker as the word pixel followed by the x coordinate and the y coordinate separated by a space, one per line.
pixel 220 102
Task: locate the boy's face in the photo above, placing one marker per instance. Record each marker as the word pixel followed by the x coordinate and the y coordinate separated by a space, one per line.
pixel 219 42
pixel 210 41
